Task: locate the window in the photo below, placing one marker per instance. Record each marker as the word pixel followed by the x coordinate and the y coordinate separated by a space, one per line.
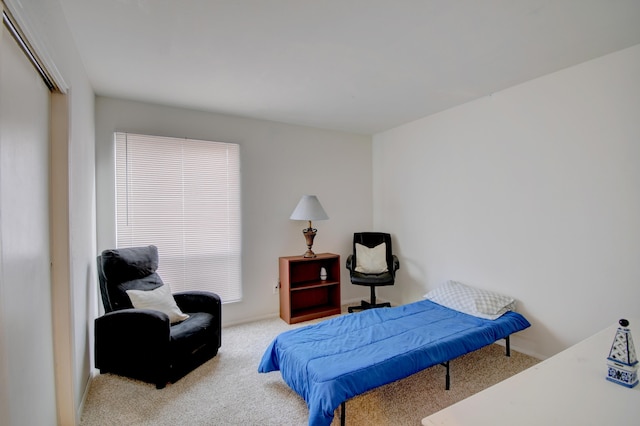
pixel 183 196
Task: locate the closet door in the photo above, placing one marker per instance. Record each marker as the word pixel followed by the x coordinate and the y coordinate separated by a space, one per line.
pixel 27 385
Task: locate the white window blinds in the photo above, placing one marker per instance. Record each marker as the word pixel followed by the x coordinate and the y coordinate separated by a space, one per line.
pixel 183 196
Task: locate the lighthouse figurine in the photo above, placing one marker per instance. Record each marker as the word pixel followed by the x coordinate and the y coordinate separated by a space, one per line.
pixel 622 364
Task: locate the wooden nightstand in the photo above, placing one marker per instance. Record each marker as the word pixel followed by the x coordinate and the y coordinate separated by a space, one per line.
pixel 303 295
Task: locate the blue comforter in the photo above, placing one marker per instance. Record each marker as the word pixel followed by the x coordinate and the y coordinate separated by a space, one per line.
pixel 332 361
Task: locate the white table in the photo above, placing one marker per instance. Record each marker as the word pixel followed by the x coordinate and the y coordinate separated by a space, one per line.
pixel 569 388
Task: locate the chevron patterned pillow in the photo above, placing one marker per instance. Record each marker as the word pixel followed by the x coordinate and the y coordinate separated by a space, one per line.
pixel 471 300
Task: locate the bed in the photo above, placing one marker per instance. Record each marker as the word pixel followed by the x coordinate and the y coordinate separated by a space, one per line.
pixel 332 361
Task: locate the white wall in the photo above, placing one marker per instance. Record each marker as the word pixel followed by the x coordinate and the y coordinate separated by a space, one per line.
pixel 279 163
pixel 533 191
pixel 46 29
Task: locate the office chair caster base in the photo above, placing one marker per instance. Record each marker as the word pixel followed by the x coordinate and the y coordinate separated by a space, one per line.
pixel 366 305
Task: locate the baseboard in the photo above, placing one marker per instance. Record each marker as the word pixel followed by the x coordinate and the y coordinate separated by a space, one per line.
pixel 344 303
pixel 520 349
pixel 251 319
pixel 92 374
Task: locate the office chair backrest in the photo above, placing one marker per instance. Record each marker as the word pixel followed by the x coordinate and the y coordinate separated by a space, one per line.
pixel 372 239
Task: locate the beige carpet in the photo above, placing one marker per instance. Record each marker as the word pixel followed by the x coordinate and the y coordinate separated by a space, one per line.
pixel 228 390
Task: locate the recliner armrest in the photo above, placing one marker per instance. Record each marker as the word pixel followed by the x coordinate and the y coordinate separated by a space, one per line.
pixel 198 301
pixel 134 321
pixel 202 301
pixel 131 334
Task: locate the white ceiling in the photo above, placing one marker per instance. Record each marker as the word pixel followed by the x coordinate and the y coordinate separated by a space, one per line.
pixel 357 65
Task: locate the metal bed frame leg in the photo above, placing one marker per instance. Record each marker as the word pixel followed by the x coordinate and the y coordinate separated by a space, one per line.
pixel 342 413
pixel 446 364
pixel 447 377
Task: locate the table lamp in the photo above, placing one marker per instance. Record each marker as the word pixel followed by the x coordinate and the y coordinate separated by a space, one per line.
pixel 309 208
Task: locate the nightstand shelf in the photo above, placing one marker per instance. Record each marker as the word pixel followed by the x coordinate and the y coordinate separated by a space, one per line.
pixel 303 295
pixel 313 284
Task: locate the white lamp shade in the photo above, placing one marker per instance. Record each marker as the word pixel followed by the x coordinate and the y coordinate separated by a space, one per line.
pixel 309 208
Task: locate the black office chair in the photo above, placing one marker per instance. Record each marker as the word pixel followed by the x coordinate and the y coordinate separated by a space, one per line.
pixel 377 265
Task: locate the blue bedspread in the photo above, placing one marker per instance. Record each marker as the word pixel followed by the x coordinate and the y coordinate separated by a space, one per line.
pixel 332 361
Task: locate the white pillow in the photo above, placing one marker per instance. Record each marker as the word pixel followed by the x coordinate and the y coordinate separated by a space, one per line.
pixel 470 300
pixel 158 299
pixel 371 260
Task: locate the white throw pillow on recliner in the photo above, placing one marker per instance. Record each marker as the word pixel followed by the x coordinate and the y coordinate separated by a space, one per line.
pixel 158 299
pixel 371 260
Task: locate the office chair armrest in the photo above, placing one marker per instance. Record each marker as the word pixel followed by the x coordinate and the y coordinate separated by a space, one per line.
pixel 350 266
pixel 349 262
pixel 396 263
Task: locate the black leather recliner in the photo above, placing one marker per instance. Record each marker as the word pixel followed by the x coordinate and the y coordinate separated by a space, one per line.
pixel 142 343
pixel 373 280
